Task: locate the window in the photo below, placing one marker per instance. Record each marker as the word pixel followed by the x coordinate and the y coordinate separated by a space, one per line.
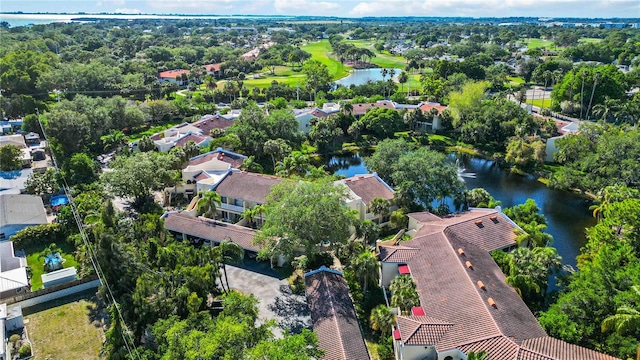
pixel 223 199
pixel 237 202
pixel 2 235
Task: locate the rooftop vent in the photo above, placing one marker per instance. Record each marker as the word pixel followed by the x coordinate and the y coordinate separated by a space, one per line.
pixel 492 303
pixel 460 252
pixel 494 219
pixel 468 264
pixel 481 285
pixel 479 224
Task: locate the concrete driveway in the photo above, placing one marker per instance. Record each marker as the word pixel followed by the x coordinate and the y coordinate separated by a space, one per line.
pixel 276 300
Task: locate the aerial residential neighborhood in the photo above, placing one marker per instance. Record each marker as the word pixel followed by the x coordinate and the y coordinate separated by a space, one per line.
pixel 319 180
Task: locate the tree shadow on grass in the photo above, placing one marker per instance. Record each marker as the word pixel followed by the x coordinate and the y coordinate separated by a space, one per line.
pixel 292 311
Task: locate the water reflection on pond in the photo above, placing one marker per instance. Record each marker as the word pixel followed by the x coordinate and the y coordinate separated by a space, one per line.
pixel 567 214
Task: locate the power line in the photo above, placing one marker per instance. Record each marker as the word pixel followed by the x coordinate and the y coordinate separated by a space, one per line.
pixel 126 334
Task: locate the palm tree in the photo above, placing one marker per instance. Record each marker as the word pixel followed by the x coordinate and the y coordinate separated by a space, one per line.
pixel 252 214
pixel 402 79
pixel 366 269
pixel 584 75
pixel 380 207
pixel 596 78
pixel 347 108
pixel 404 294
pixel 381 319
pixel 472 355
pixel 231 253
pixel 207 205
pixel 626 319
pixel 191 149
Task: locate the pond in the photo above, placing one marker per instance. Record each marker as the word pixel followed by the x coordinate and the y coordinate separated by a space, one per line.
pixel 362 76
pixel 567 214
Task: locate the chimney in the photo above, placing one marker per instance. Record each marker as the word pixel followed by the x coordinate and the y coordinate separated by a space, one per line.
pixel 492 303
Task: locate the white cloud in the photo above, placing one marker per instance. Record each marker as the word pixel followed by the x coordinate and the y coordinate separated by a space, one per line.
pixel 305 7
pixel 494 8
pixel 128 11
pixel 111 2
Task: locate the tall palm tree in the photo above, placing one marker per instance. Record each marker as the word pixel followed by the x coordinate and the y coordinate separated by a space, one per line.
pixel 596 79
pixel 626 319
pixel 207 205
pixel 347 108
pixel 381 319
pixel 402 79
pixel 191 149
pixel 365 267
pixel 251 215
pixel 584 75
pixel 231 253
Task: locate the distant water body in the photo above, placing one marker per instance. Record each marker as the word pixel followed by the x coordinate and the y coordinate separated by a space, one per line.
pixel 16 20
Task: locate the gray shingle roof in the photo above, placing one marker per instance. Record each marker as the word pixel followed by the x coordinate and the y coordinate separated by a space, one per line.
pixel 369 187
pixel 21 210
pixel 334 317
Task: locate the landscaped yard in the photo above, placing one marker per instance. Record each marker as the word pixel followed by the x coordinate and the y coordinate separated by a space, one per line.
pixel 152 130
pixel 539 103
pixel 64 329
pixel 35 260
pixel 320 51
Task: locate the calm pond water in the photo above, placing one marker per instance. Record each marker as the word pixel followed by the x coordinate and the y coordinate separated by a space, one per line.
pixel 361 76
pixel 567 214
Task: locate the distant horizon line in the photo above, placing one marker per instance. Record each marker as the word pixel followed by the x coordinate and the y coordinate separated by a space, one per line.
pixel 317 16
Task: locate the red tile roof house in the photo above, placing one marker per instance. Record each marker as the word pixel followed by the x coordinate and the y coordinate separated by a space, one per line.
pixel 465 302
pixel 173 76
pixel 360 109
pixel 242 190
pixel 362 190
pixel 334 316
pixel 213 69
pixel 205 171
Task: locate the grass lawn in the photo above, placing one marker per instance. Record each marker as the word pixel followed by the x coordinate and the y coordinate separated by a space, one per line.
pixel 589 40
pixel 36 262
pixel 384 60
pixel 538 102
pixel 515 80
pixel 63 329
pixel 533 43
pixel 152 130
pixel 320 51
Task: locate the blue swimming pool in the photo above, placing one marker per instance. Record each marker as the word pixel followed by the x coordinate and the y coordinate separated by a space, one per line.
pixel 59 200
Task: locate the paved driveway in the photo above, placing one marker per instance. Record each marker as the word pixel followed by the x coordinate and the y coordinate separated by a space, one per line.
pixel 276 300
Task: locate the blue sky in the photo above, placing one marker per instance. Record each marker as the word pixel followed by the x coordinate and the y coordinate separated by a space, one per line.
pixel 348 8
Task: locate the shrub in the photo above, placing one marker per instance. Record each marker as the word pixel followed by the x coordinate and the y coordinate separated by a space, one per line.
pixel 40 234
pixel 25 350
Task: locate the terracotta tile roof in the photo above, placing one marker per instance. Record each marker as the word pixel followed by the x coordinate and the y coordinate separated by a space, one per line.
pixel 421 330
pixel 247 186
pixel 426 107
pixel 208 123
pixel 452 262
pixel 396 254
pixel 487 228
pixel 524 354
pixel 213 67
pixel 334 316
pixel 203 175
pixel 498 346
pixel 558 349
pixel 171 74
pixel 319 113
pixel 210 229
pixel 231 158
pixel 369 187
pixel 198 139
